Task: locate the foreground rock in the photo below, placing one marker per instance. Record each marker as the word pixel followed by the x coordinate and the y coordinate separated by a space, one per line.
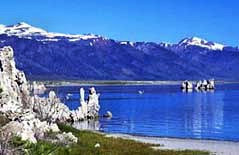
pixel 30 130
pixel 32 116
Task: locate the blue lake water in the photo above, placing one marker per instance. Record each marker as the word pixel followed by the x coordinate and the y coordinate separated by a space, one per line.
pixel 165 111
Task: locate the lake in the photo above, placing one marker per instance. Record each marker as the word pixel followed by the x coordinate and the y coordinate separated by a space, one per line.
pixel 164 111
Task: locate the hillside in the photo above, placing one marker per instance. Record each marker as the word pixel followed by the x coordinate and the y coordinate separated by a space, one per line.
pixel 46 55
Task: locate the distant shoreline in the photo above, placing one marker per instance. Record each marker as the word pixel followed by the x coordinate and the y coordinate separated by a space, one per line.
pixel 105 83
pixel 51 83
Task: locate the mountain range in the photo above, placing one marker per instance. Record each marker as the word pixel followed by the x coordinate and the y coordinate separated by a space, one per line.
pixel 45 55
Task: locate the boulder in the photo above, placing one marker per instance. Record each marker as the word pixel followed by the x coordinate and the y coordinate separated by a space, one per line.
pixel 108 114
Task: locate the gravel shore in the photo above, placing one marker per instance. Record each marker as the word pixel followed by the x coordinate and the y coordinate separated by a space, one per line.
pixel 215 147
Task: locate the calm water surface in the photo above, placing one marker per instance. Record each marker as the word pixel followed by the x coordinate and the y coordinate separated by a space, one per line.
pixel 165 111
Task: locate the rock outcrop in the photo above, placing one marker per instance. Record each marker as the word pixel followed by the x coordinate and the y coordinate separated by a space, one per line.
pixel 15 95
pixel 187 85
pixel 30 115
pixel 205 85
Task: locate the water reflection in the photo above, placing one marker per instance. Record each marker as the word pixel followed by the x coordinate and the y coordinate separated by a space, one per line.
pixel 207 114
pixel 87 125
pixel 166 111
pixel 176 114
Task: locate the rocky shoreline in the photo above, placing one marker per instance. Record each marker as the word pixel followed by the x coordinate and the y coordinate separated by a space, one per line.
pixel 30 116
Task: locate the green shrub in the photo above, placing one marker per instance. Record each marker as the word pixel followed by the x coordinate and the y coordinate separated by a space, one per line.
pixel 86 146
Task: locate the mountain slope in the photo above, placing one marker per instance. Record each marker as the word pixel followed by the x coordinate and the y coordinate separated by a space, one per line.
pixel 44 55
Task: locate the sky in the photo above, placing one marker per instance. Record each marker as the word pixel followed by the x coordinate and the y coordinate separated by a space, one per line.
pixel 132 20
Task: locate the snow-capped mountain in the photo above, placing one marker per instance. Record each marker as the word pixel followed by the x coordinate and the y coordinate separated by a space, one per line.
pixel 48 55
pixel 24 30
pixel 195 41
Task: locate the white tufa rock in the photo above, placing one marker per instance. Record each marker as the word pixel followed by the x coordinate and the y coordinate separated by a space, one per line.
pixel 13 84
pixel 37 88
pixel 32 116
pixel 30 130
pixel 187 85
pixel 205 85
pixel 93 106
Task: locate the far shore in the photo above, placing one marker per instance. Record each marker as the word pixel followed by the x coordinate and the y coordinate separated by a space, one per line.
pixel 213 146
pixel 51 83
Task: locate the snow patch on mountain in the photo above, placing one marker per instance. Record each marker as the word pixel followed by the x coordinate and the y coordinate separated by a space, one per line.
pixel 195 41
pixel 165 44
pixel 24 30
pixel 127 43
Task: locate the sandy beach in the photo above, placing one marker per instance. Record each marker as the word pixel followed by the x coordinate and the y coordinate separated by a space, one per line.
pixel 215 147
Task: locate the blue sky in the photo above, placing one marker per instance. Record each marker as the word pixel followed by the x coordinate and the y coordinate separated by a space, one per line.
pixel 134 20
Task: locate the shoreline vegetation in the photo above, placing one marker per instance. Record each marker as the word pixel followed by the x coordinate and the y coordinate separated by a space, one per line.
pixel 93 143
pixel 90 143
pixel 51 83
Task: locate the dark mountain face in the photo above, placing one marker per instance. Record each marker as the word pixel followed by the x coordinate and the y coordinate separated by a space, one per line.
pixel 98 58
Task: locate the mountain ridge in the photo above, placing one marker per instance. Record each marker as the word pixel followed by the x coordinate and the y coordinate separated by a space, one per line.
pixel 48 55
pixel 12 30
